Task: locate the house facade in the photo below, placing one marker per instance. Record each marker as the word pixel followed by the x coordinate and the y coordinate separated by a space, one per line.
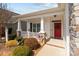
pixel 48 21
pixel 54 23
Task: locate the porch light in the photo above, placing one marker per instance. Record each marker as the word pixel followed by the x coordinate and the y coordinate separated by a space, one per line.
pixel 55 15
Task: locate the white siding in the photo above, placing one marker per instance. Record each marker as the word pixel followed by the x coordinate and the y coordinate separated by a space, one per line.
pixel 47 27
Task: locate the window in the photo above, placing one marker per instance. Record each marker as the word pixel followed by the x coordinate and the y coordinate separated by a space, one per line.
pixel 38 27
pixel 30 27
pixel 34 27
pixel 24 26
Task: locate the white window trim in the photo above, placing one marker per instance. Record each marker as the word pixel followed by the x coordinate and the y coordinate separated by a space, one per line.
pixel 36 26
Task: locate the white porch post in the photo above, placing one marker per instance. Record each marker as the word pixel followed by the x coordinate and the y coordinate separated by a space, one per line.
pixel 28 29
pixel 66 30
pixel 6 34
pixel 42 26
pixel 19 28
pixel 42 32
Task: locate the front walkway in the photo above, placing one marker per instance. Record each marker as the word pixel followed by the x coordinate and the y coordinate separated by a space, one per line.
pixel 54 47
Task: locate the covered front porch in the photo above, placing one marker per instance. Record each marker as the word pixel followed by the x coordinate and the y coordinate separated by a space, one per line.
pixel 34 26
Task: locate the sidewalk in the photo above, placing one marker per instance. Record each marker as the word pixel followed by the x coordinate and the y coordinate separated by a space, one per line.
pixel 54 47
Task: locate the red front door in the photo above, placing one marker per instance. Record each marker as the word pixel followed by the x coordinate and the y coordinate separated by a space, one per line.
pixel 57 30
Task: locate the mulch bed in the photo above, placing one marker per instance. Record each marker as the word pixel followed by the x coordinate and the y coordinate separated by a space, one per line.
pixel 1 45
pixel 4 51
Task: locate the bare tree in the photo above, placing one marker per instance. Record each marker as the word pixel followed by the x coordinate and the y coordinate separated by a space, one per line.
pixel 3 5
pixel 5 15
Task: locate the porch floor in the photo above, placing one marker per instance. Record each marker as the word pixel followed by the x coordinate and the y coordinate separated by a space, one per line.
pixel 54 47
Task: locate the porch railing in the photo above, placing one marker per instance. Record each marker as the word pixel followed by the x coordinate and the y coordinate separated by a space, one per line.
pixel 24 34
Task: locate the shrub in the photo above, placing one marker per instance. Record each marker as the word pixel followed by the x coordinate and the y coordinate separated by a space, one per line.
pixel 22 51
pixel 20 40
pixel 32 43
pixel 11 43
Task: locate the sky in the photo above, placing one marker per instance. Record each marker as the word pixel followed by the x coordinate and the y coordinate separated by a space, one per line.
pixel 23 8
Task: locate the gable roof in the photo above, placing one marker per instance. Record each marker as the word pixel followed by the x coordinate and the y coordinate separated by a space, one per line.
pixel 52 10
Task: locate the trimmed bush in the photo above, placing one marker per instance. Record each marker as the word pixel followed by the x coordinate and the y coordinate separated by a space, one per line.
pixel 11 43
pixel 32 43
pixel 20 40
pixel 22 51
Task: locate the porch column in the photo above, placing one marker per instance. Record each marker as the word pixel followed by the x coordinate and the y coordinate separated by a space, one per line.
pixel 6 34
pixel 28 29
pixel 42 26
pixel 19 28
pixel 66 30
pixel 42 32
